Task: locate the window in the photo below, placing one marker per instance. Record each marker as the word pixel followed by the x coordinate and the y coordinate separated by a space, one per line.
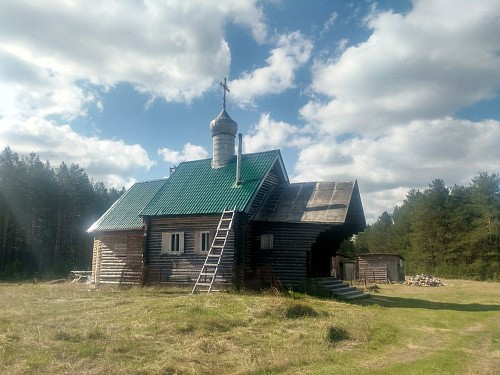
pixel 205 241
pixel 172 243
pixel 266 241
pixel 202 242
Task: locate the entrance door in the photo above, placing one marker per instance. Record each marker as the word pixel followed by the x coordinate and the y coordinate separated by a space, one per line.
pixel 318 262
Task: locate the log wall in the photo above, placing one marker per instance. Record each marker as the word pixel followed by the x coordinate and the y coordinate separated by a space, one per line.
pixel 288 258
pixel 184 268
pixel 117 257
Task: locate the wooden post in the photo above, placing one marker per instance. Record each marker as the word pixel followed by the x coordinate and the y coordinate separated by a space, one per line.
pixel 121 278
pixel 98 266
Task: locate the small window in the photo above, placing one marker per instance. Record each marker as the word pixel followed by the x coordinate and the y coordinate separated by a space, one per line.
pixel 205 241
pixel 172 242
pixel 202 242
pixel 267 241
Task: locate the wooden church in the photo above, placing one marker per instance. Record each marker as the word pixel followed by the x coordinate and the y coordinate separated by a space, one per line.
pixel 232 219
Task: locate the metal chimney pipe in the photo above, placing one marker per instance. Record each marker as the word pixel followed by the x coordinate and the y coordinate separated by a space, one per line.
pixel 238 160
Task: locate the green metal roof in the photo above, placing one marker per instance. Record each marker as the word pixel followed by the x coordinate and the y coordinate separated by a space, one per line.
pixel 197 188
pixel 124 213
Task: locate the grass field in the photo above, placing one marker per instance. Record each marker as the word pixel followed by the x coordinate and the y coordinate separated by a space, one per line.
pixel 72 329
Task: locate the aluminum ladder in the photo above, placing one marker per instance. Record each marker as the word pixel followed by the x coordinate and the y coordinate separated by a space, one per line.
pixel 208 272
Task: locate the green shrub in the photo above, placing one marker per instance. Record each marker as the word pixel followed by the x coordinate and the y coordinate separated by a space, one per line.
pixel 336 334
pixel 300 311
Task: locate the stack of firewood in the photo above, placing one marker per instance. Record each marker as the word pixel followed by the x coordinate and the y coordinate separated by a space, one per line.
pixel 424 280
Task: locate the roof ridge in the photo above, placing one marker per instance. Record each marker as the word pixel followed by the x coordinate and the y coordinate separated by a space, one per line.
pixel 320 181
pixel 149 181
pixel 243 155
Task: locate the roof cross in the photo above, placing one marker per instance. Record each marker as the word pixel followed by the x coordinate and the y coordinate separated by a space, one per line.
pixel 226 88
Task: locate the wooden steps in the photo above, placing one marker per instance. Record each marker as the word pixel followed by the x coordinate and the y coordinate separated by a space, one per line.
pixel 208 272
pixel 338 288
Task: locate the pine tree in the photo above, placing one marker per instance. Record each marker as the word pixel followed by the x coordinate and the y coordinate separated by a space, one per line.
pixel 44 214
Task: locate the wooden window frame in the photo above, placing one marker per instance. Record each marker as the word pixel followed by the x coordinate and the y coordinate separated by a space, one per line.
pixel 172 243
pixel 204 242
pixel 267 241
pixel 199 241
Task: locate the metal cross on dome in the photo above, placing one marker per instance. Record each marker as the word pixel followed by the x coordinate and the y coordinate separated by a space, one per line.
pixel 226 88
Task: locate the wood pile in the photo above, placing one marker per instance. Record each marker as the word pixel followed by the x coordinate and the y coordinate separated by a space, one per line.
pixel 424 280
pixel 80 277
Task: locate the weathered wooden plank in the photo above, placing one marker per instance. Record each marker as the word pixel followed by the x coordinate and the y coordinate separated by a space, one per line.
pixel 184 268
pixel 117 257
pixel 392 263
pixel 288 258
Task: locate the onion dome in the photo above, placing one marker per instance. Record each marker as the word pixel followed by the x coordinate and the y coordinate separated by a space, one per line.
pixel 223 124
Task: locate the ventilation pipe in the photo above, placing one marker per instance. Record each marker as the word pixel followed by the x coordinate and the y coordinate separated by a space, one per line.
pixel 238 160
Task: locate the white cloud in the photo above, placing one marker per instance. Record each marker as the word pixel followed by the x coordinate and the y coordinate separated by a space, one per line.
pixel 174 50
pixel 292 52
pixel 329 23
pixel 28 90
pixel 111 161
pixel 269 134
pixel 408 156
pixel 189 152
pixel 53 55
pixel 245 13
pixel 341 45
pixel 381 200
pixel 388 114
pixel 423 65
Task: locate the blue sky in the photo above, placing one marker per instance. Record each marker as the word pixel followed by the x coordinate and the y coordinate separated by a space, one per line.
pixel 391 93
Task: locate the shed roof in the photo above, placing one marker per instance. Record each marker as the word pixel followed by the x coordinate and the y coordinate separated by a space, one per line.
pixel 124 213
pixel 315 202
pixel 380 255
pixel 197 188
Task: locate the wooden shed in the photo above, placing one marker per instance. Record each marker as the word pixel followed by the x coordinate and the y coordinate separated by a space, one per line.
pixel 381 267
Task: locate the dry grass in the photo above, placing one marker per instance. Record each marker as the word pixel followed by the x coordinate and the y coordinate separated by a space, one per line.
pixel 66 329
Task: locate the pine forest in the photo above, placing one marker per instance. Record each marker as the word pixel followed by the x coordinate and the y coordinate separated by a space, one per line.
pixel 452 232
pixel 44 215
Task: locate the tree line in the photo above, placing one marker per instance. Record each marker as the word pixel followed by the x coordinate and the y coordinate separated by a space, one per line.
pixel 446 231
pixel 44 215
pixel 45 212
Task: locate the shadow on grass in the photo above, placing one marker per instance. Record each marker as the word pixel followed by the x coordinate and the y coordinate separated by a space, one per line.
pixel 431 305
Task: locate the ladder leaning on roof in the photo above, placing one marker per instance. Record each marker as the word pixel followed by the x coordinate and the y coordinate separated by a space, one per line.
pixel 209 269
